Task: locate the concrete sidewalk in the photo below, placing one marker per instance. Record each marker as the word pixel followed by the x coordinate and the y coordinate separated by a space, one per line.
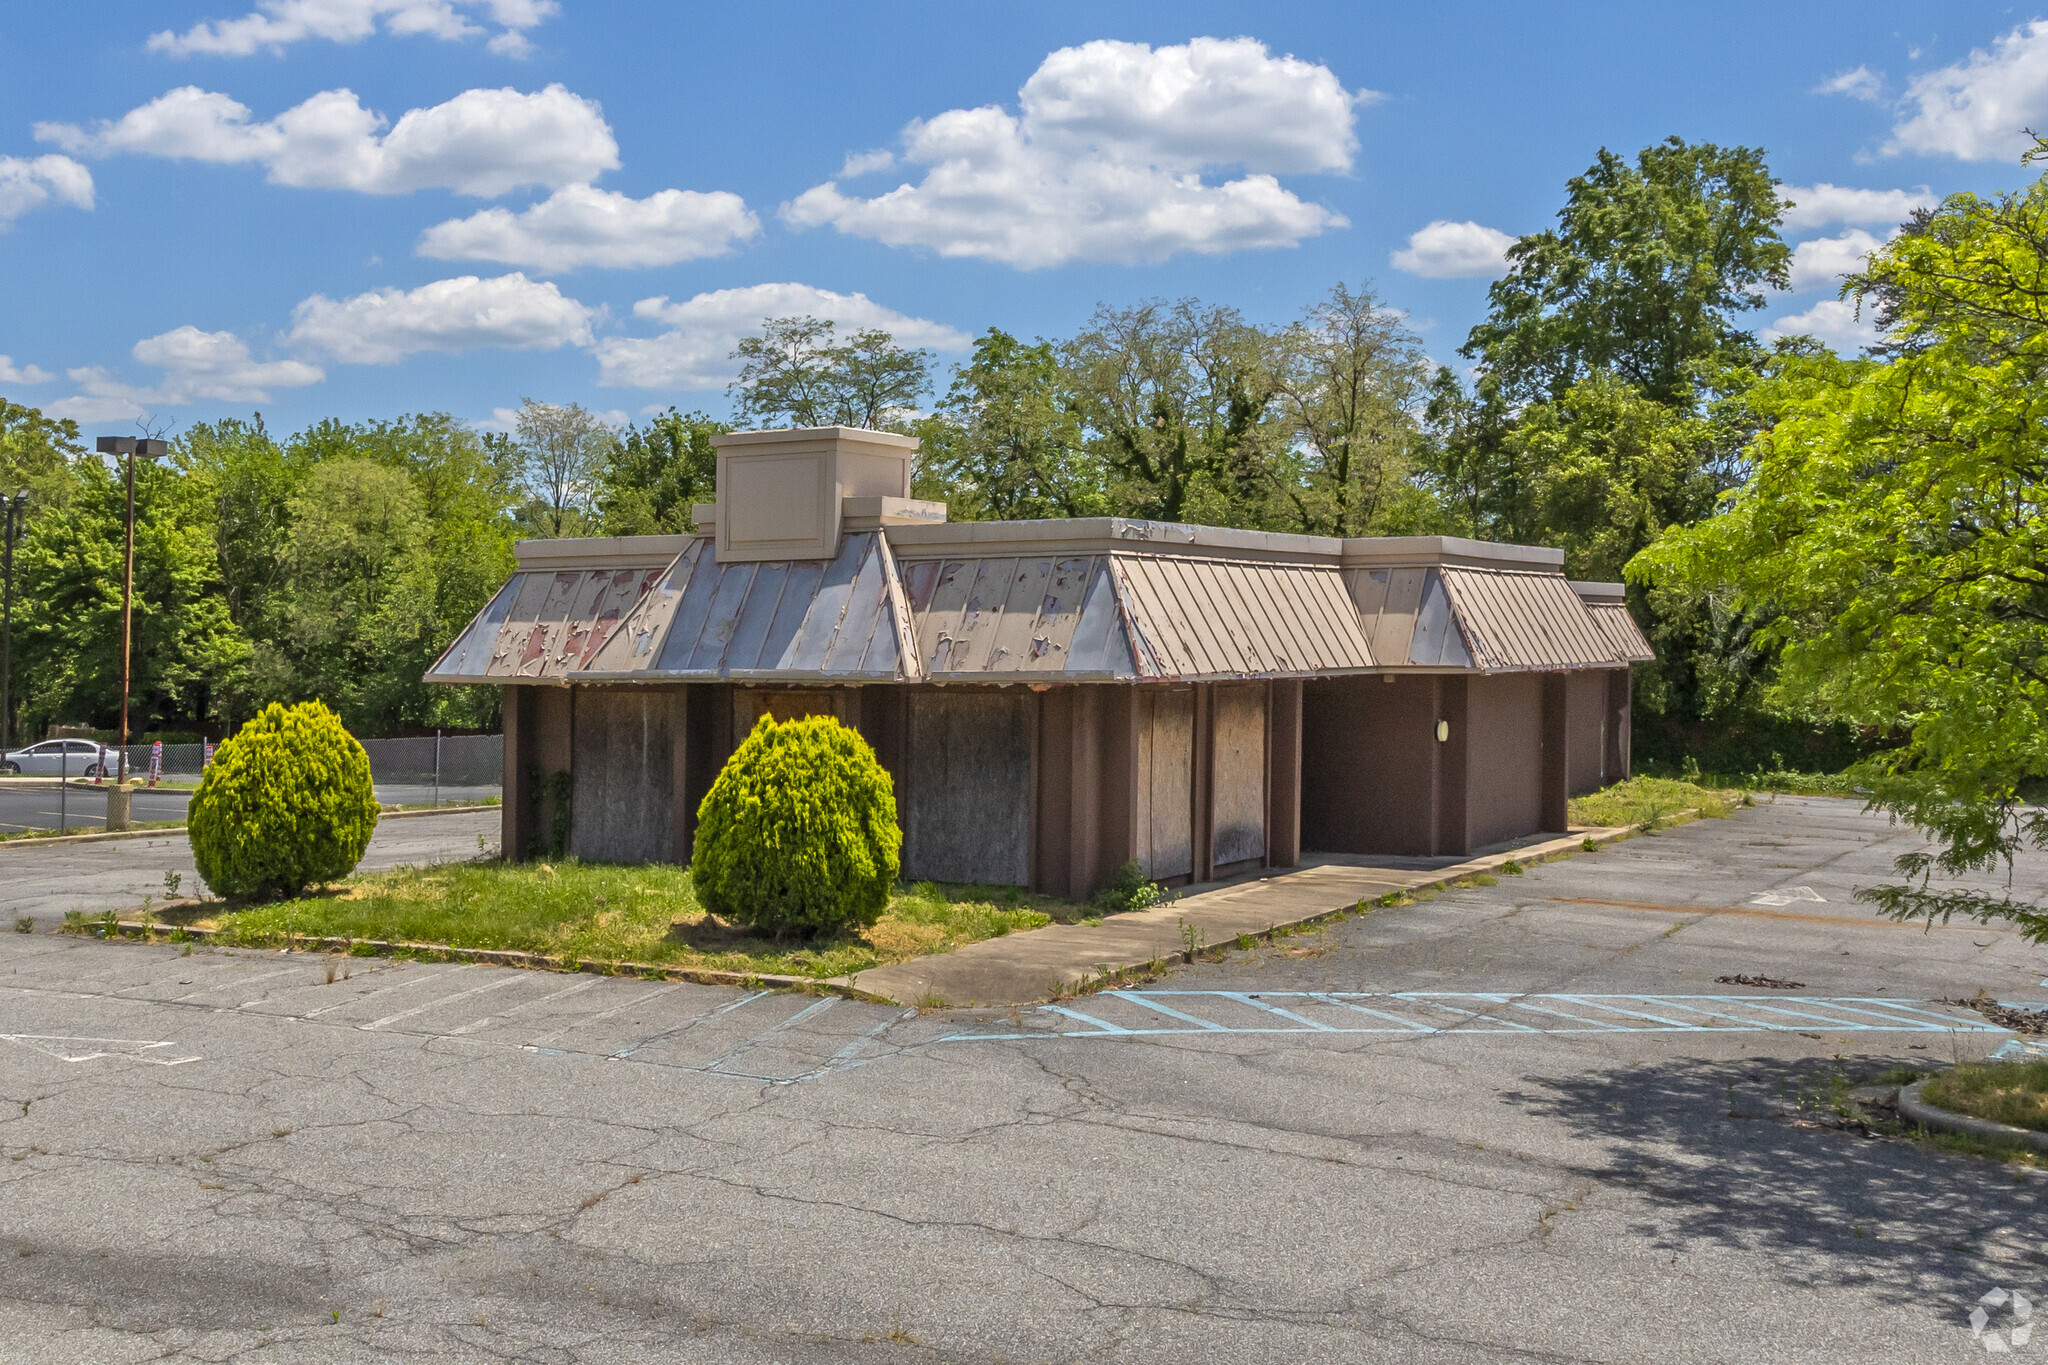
pixel 1022 968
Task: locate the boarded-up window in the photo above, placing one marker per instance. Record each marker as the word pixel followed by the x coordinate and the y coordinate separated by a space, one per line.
pixel 1166 767
pixel 1240 785
pixel 969 774
pixel 621 802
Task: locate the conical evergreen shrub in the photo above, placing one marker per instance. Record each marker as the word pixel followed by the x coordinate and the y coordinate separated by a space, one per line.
pixel 286 804
pixel 799 832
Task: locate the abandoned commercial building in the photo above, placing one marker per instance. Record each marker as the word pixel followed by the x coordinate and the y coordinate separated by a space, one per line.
pixel 1052 699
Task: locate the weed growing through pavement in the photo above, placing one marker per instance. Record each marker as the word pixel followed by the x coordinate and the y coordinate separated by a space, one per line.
pixel 1245 943
pixel 24 924
pixel 172 881
pixel 1192 939
pixel 1511 868
pixel 1589 846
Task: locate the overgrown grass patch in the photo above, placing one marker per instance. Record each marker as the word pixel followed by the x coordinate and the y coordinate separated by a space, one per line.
pixel 603 912
pixel 1647 801
pixel 2014 1093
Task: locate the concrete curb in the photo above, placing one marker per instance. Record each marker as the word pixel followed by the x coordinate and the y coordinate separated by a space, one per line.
pixel 1911 1106
pixel 1108 973
pixel 46 840
pixel 498 957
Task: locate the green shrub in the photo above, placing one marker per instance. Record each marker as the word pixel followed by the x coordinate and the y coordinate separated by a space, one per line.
pixel 286 804
pixel 798 834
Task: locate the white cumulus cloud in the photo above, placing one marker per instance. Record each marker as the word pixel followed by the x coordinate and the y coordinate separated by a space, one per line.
pixel 10 373
pixel 1975 109
pixel 1447 251
pixel 31 182
pixel 694 353
pixel 1106 157
pixel 466 313
pixel 275 25
pixel 196 365
pixel 1818 205
pixel 1833 321
pixel 579 226
pixel 1860 83
pixel 482 142
pixel 1824 260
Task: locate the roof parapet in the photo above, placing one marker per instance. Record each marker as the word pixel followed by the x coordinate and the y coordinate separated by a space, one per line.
pixel 1420 551
pixel 593 552
pixel 1600 592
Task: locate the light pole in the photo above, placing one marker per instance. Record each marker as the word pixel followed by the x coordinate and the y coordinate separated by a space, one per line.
pixel 14 506
pixel 150 449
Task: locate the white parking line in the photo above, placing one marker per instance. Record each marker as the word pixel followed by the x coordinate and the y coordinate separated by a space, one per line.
pixel 473 1026
pixel 605 1014
pixel 436 1004
pixel 381 990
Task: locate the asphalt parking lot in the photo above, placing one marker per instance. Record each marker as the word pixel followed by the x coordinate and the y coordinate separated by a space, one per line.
pixel 38 804
pixel 1517 1122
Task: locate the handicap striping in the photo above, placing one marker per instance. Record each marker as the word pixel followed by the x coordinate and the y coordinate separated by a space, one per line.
pixel 1139 1014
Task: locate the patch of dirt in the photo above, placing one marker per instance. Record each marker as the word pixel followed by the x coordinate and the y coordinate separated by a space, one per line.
pixel 1762 983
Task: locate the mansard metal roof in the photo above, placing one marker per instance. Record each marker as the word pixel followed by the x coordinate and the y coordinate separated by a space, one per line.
pixel 1085 600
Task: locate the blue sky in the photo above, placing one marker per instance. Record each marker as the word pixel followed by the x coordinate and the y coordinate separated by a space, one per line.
pixel 361 208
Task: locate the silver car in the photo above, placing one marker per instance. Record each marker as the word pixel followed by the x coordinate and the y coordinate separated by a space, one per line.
pixel 55 757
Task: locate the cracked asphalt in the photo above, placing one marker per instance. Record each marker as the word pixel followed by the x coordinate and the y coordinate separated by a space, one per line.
pixel 227 1156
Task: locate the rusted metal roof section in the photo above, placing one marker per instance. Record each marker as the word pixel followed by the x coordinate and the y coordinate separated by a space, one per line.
pixel 1191 618
pixel 1517 621
pixel 1017 615
pixel 1621 632
pixel 788 620
pixel 545 625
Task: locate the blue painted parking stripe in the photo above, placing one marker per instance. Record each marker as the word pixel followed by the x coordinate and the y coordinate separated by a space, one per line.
pixel 1617 1009
pixel 1660 1014
pixel 1408 1025
pixel 1101 1024
pixel 1259 1004
pixel 1137 998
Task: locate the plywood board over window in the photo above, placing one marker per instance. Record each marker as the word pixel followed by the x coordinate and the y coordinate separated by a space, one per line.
pixel 1240 783
pixel 1166 764
pixel 969 771
pixel 623 785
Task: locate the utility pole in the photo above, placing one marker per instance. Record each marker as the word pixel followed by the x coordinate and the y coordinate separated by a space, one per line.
pixel 14 506
pixel 148 448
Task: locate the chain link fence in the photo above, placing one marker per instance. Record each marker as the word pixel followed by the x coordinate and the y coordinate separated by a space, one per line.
pixel 465 763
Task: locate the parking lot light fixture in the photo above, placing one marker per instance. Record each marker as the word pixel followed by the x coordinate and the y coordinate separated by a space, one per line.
pixel 149 448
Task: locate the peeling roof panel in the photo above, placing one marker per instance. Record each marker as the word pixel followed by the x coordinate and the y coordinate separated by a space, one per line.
pixel 545 624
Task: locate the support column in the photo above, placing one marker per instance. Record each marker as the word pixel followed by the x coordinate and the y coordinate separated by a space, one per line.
pixel 683 811
pixel 515 813
pixel 1283 773
pixel 1453 768
pixel 1203 787
pixel 1557 764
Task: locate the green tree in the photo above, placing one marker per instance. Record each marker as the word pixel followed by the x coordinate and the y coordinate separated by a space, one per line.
pixel 561 447
pixel 1178 400
pixel 1350 381
pixel 1890 536
pixel 651 478
pixel 1006 442
pixel 1642 276
pixel 798 373
pixel 68 631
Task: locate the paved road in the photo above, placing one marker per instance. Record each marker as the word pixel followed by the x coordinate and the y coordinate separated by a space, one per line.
pixel 35 805
pixel 1557 1138
pixel 42 881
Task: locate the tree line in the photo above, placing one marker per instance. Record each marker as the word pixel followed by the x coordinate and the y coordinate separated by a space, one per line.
pixel 1603 401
